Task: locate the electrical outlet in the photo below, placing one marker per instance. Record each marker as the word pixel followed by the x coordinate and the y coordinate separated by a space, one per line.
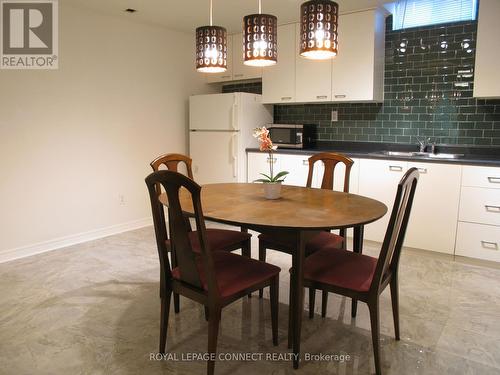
pixel 121 199
pixel 335 116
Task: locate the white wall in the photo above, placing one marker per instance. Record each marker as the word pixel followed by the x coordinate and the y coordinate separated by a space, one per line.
pixel 74 139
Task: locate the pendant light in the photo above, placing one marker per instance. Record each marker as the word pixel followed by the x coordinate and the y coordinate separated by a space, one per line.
pixel 319 29
pixel 211 48
pixel 260 32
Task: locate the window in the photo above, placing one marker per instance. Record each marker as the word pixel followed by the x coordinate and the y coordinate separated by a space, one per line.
pixel 414 13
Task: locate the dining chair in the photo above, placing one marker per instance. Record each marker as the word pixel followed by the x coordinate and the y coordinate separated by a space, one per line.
pixel 219 239
pixel 363 277
pixel 323 239
pixel 213 278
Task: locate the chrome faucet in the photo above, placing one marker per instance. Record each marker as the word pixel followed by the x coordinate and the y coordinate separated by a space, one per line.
pixel 423 143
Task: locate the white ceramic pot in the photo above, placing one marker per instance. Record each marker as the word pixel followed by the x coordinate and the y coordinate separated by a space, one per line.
pixel 272 190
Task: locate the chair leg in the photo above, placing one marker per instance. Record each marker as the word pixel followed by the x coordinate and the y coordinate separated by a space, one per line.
pixel 206 313
pixel 177 304
pixel 274 295
pixel 312 299
pixel 213 332
pixel 395 304
pixel 324 303
pixel 354 307
pixel 290 312
pixel 246 250
pixel 375 324
pixel 262 258
pixel 165 309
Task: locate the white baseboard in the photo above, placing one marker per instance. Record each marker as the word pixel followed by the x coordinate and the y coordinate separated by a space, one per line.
pixel 58 243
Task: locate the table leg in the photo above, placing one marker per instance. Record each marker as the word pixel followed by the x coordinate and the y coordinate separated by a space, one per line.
pixel 298 295
pixel 357 248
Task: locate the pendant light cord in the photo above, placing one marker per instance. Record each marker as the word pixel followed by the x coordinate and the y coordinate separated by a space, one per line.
pixel 260 6
pixel 211 17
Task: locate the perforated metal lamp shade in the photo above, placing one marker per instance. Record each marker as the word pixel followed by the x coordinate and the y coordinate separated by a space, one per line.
pixel 319 29
pixel 260 34
pixel 211 49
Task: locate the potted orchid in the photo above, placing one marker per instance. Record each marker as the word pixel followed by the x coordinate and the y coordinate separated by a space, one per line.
pixel 271 182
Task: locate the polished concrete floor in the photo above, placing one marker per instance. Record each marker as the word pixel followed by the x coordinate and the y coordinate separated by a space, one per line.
pixel 94 309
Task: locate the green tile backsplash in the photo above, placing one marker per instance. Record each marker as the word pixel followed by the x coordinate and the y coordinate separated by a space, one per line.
pixel 429 74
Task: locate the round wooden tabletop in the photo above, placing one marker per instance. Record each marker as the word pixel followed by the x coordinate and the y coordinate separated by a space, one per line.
pixel 298 207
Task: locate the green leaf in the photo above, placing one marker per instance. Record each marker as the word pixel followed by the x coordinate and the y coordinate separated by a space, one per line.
pixel 266 176
pixel 279 175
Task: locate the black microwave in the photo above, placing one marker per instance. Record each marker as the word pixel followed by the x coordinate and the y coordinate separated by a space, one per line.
pixel 292 135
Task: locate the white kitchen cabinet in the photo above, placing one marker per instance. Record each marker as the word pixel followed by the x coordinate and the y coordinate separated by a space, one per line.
pixel 278 81
pixel 228 74
pixel 378 179
pixel 240 70
pixel 487 74
pixel 358 68
pixel 485 177
pixel 355 74
pixel 480 205
pixel 478 241
pixel 478 234
pixel 312 77
pixel 298 166
pixel 433 219
pixel 259 162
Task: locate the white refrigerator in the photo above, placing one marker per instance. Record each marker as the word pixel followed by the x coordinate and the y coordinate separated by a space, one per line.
pixel 220 129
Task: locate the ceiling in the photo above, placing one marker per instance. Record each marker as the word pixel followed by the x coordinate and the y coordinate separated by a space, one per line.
pixel 186 15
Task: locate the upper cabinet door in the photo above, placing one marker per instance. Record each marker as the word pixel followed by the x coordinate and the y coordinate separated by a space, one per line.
pixel 358 69
pixel 228 74
pixel 240 70
pixel 312 77
pixel 278 81
pixel 487 75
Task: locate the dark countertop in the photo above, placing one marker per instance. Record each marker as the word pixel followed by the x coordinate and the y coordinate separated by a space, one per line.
pixel 477 155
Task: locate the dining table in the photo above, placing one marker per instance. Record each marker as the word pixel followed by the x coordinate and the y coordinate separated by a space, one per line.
pixel 297 215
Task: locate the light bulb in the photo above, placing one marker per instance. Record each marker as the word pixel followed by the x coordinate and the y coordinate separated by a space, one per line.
pixel 211 53
pixel 319 35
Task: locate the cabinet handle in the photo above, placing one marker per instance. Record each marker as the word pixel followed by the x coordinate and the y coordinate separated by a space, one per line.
pixel 340 96
pixel 286 98
pixel 494 180
pixel 491 208
pixel 225 76
pixel 238 75
pixel 271 160
pixel 395 168
pixel 490 245
pixel 321 96
pixel 305 162
pixel 422 170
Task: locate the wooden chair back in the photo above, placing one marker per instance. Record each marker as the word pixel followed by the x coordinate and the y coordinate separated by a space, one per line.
pixel 330 161
pixel 186 258
pixel 394 237
pixel 171 162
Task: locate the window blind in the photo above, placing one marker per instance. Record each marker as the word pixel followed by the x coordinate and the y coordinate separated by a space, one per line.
pixel 414 13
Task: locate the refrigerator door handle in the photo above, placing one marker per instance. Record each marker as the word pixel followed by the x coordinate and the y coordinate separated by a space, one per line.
pixel 234 157
pixel 234 116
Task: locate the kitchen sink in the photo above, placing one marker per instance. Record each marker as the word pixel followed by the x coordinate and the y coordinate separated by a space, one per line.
pixel 440 155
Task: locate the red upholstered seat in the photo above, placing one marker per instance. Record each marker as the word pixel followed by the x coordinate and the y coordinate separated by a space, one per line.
pixel 341 268
pixel 234 272
pixel 320 241
pixel 218 239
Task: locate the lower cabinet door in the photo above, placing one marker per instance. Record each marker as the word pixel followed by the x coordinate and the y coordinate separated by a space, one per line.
pixel 434 214
pixel 378 179
pixel 478 241
pixel 259 162
pixel 298 168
